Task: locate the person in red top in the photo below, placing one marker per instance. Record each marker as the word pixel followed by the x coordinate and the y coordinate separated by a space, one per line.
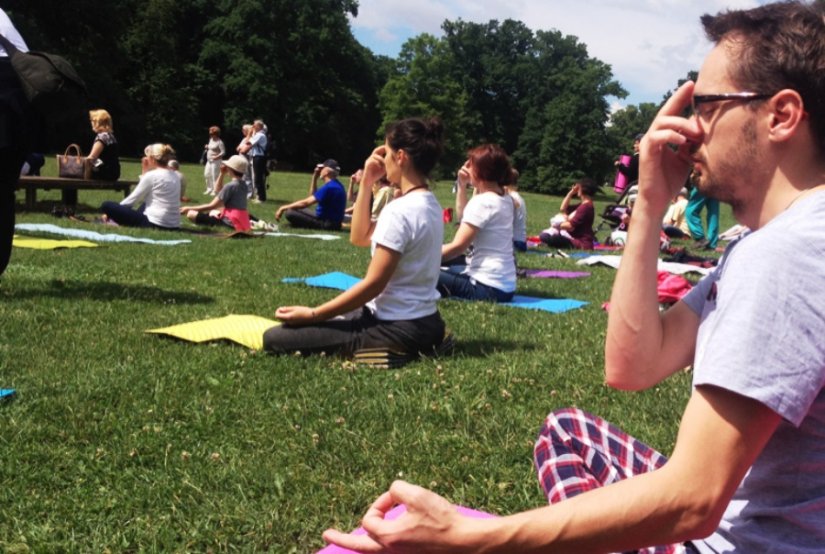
pixel 573 227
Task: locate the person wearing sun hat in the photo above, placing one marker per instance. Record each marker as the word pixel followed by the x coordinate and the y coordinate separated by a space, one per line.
pixel 158 190
pixel 229 207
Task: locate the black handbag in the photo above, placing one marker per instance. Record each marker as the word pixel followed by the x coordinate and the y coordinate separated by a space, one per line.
pixel 49 82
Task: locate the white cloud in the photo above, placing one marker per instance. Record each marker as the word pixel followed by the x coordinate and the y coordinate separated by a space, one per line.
pixel 650 44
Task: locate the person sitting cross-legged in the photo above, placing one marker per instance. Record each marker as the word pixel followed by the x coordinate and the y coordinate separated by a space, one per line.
pixel 229 207
pixel 331 199
pixel 394 305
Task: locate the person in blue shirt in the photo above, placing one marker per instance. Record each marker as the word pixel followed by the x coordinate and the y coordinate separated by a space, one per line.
pixel 331 200
pixel 255 148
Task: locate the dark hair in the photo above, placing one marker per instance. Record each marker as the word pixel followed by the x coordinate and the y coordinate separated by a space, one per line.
pixel 588 186
pixel 514 175
pixel 422 140
pixel 490 163
pixel 778 46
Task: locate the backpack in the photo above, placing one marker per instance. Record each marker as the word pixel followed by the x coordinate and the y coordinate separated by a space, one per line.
pixel 49 82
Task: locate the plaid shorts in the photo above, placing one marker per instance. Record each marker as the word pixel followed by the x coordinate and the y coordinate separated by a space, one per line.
pixel 576 452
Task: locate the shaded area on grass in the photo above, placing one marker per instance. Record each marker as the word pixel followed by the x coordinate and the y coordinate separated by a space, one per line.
pixel 104 291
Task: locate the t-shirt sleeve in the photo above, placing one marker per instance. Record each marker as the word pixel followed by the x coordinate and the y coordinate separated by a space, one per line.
pixel 321 193
pixel 765 339
pixel 582 217
pixel 476 213
pixel 392 229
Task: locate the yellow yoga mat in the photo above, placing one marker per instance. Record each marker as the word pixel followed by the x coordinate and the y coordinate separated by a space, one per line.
pixel 49 244
pixel 247 330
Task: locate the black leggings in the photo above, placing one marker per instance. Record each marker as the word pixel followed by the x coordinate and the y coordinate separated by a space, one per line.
pixel 14 145
pixel 356 330
pixel 306 220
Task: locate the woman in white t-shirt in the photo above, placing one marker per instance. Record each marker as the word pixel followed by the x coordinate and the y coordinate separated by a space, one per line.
pixel 215 151
pixel 487 225
pixel 394 306
pixel 157 194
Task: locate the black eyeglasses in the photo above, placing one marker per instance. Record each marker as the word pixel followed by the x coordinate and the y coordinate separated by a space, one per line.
pixel 700 99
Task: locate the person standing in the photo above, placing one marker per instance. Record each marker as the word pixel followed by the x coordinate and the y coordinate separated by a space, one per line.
pixel 15 136
pixel 215 151
pixel 693 214
pixel 255 147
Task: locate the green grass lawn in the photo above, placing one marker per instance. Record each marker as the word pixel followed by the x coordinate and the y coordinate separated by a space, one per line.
pixel 124 441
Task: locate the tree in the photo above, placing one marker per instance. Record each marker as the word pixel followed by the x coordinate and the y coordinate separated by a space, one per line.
pixel 628 122
pixel 423 87
pixel 168 69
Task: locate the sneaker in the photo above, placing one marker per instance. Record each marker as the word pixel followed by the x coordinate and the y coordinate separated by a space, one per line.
pixel 256 201
pixel 207 191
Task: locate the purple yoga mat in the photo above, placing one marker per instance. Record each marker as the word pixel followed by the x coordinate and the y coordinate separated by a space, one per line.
pixel 621 181
pixel 553 274
pixel 396 513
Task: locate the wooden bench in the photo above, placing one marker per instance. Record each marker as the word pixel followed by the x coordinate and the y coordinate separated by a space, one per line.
pixel 31 183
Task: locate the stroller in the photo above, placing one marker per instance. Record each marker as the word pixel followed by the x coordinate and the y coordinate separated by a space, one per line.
pixel 611 216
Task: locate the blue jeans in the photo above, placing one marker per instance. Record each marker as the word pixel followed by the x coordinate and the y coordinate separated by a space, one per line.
pixel 461 286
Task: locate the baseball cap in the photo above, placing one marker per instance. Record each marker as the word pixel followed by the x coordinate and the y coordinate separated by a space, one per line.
pixel 332 164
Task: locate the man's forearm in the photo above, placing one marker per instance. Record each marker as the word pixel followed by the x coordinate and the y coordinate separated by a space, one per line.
pixel 634 328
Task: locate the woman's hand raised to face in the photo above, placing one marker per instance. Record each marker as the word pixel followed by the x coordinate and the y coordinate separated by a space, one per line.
pixel 463 174
pixel 374 167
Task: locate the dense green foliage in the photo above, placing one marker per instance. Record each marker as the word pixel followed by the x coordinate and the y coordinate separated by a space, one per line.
pixel 168 69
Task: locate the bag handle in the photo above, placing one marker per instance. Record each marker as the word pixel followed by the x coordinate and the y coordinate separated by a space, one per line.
pixel 76 148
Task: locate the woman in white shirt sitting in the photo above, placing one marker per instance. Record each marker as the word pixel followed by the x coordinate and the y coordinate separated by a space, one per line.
pixel 394 306
pixel 487 226
pixel 158 189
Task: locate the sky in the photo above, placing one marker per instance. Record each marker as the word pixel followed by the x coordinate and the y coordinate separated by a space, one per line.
pixel 649 44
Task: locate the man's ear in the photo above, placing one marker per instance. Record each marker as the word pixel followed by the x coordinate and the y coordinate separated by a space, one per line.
pixel 787 114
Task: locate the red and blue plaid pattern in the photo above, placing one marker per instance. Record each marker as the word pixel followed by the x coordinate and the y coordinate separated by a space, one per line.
pixel 577 451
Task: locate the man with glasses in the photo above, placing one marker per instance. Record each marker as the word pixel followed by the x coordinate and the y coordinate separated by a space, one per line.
pixel 747 473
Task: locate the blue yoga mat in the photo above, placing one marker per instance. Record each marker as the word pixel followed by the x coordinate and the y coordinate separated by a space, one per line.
pixel 334 280
pixel 553 305
pixel 343 281
pixel 7 393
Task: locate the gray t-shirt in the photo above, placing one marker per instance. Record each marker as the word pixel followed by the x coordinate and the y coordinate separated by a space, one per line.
pixel 762 335
pixel 233 196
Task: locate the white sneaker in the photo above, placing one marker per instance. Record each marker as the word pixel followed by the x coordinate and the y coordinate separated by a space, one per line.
pixel 256 201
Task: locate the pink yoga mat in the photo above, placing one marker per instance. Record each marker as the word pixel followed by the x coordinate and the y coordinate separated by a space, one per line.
pixel 395 513
pixel 621 181
pixel 553 274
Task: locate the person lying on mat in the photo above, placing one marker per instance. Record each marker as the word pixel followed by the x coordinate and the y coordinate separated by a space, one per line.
pixel 158 189
pixel 394 306
pixel 229 207
pixel 486 227
pixel 746 473
pixel 573 226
